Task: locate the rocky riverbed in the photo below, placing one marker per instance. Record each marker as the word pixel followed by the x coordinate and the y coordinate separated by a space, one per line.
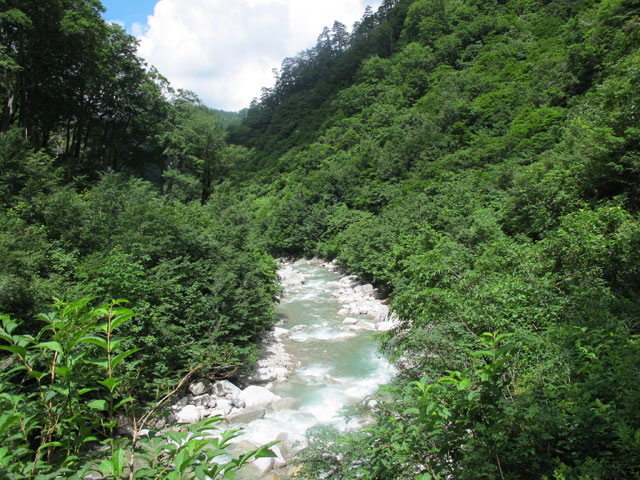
pixel 319 358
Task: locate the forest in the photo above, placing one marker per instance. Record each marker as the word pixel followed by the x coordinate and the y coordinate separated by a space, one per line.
pixel 478 161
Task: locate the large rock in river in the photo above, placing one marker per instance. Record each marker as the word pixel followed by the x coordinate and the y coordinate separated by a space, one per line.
pixel 290 277
pixel 200 388
pixel 254 396
pixel 189 414
pixel 224 388
pixel 257 468
pixel 246 415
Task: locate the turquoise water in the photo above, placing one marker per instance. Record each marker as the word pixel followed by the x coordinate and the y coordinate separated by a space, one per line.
pixel 335 367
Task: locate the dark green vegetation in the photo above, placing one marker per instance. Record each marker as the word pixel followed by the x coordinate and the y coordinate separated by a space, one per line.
pixel 77 395
pixel 479 160
pixel 111 186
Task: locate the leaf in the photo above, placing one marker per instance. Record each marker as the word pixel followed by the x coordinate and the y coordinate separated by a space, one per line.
pixel 9 324
pixel 125 315
pixel 424 476
pixel 6 421
pixel 37 375
pixel 110 383
pixel 504 349
pixel 55 346
pixel 100 342
pixel 18 350
pixel 264 451
pixel 103 364
pixel 50 444
pixel 86 390
pixel 106 467
pixel 122 402
pixel 482 353
pixel 98 404
pixel 464 384
pixel 122 356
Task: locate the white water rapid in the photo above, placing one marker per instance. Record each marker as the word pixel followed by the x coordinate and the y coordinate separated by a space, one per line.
pixel 334 364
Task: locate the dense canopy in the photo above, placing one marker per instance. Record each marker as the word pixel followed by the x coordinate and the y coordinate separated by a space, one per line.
pixel 477 160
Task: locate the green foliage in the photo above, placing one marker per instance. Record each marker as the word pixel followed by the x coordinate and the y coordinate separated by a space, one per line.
pixel 476 160
pixel 197 275
pixel 61 392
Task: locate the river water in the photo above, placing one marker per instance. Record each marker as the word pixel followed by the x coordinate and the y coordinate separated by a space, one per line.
pixel 335 367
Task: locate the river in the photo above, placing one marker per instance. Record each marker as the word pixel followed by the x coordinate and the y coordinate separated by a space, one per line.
pixel 336 365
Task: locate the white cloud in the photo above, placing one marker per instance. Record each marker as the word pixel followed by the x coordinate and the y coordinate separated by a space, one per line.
pixel 225 50
pixel 138 29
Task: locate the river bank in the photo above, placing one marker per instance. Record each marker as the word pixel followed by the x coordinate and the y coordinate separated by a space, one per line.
pixel 320 357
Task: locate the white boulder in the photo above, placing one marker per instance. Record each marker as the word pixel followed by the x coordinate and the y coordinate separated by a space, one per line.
pixel 385 326
pixel 290 277
pixel 255 396
pixel 189 414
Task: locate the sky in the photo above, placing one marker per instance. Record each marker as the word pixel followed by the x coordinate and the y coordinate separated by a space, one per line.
pixel 225 50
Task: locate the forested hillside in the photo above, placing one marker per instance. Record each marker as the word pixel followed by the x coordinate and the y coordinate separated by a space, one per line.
pixel 477 160
pixel 110 188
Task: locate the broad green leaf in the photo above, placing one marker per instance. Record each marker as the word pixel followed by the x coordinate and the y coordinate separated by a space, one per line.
pixel 98 404
pixel 482 353
pixel 84 391
pixel 117 321
pixel 49 445
pixel 123 401
pixel 36 374
pixel 18 350
pixel 6 421
pixel 110 383
pixel 100 342
pixel 122 356
pixel 464 384
pixel 424 476
pixel 55 346
pixel 504 349
pixel 106 467
pixel 102 364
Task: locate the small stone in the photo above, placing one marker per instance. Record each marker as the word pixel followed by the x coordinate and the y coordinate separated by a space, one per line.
pixel 280 332
pixel 224 405
pixel 371 404
pixel 367 289
pixel 183 402
pixel 350 321
pixel 279 460
pixel 242 448
pixel 206 401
